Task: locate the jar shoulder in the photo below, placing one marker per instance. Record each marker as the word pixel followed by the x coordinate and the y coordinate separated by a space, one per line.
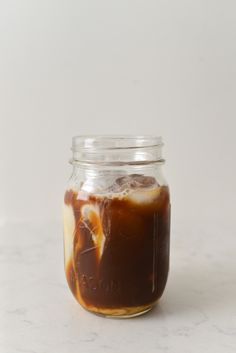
pixel 107 180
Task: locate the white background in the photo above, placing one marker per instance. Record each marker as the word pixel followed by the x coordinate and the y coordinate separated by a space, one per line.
pixel 162 67
pixel 149 67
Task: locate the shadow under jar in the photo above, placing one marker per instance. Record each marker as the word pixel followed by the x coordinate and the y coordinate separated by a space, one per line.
pixel 117 224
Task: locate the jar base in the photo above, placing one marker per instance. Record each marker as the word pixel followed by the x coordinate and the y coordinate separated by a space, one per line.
pixel 124 313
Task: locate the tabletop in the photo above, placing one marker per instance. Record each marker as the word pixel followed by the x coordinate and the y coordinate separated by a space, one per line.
pixel 197 312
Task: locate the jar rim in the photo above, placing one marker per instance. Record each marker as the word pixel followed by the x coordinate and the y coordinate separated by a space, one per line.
pixel 115 142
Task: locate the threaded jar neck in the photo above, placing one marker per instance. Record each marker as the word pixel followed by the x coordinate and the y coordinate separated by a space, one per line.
pixel 117 150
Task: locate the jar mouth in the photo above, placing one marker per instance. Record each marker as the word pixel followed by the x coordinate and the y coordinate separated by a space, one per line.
pixel 116 149
pixel 115 141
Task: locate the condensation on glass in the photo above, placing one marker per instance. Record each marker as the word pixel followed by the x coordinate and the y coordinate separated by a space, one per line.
pixel 117 224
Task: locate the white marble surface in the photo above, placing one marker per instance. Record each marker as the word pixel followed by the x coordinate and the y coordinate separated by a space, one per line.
pixel 196 314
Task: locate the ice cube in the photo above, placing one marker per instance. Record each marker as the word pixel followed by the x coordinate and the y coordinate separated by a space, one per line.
pixel 99 184
pixel 144 196
pixel 134 181
pixel 92 221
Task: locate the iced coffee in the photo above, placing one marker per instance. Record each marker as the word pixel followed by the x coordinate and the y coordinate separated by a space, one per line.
pixel 117 244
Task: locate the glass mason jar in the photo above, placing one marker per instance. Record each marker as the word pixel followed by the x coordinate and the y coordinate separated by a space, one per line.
pixel 117 224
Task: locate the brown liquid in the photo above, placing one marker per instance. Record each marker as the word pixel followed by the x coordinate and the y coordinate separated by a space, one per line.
pixel 120 257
